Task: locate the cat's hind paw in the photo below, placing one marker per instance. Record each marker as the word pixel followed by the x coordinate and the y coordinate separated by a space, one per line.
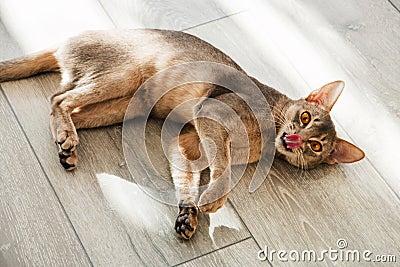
pixel 67 142
pixel 68 159
pixel 186 222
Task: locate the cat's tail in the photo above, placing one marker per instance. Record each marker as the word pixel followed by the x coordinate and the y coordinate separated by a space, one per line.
pixel 28 66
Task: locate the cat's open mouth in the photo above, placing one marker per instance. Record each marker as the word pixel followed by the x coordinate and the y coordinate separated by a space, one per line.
pixel 291 141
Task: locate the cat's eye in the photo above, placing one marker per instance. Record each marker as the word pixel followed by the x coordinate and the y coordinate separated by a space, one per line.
pixel 305 117
pixel 316 146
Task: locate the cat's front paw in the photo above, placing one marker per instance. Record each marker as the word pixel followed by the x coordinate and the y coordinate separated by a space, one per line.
pixel 186 222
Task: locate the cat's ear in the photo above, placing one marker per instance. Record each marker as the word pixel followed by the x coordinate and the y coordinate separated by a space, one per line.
pixel 344 152
pixel 327 95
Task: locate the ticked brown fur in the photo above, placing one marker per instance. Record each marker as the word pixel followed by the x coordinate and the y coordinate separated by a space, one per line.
pixel 101 70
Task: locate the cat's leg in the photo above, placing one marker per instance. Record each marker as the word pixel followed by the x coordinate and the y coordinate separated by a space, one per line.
pixel 101 114
pixel 218 152
pixel 60 130
pixel 64 104
pixel 186 179
pixel 210 116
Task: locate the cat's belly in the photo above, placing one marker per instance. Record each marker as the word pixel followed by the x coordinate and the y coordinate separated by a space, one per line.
pixel 180 101
pixel 243 156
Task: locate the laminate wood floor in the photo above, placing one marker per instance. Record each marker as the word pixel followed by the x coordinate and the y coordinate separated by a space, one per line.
pixel 98 216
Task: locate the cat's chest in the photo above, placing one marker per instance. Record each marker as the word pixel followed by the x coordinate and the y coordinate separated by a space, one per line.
pixel 252 127
pixel 248 146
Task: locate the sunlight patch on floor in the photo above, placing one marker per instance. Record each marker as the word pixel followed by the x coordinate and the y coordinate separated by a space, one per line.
pixel 38 25
pixel 224 217
pixel 131 203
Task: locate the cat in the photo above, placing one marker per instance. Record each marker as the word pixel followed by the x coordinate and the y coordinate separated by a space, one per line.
pixel 101 70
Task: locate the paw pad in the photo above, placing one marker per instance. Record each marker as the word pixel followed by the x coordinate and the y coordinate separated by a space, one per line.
pixel 186 222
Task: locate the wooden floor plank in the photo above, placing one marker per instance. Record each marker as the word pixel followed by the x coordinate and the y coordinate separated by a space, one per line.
pixel 175 15
pixel 299 210
pixel 42 24
pixel 93 198
pixel 34 230
pixel 243 253
pixel 370 28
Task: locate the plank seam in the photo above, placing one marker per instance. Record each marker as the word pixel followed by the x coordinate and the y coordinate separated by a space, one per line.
pixel 46 176
pixel 205 254
pixel 394 6
pixel 213 20
pixel 185 29
pixel 247 228
pixel 108 14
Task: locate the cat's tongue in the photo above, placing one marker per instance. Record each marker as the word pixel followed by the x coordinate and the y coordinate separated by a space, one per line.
pixel 293 141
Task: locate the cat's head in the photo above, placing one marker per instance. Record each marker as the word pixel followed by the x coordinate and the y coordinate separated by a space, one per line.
pixel 306 135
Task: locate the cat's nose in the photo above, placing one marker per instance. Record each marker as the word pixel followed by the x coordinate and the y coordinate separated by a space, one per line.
pixel 293 141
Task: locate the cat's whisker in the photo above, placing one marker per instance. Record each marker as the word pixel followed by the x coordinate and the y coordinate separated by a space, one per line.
pixel 300 163
pixel 281 116
pixel 303 163
pixel 298 159
pixel 280 119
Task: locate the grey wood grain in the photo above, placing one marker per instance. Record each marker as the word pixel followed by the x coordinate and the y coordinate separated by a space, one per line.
pixel 300 210
pixel 34 230
pixel 40 24
pixel 175 15
pixel 317 208
pixel 103 204
pixel 243 253
pixel 369 28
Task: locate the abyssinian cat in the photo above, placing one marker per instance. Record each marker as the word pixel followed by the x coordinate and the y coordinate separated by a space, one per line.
pixel 101 70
